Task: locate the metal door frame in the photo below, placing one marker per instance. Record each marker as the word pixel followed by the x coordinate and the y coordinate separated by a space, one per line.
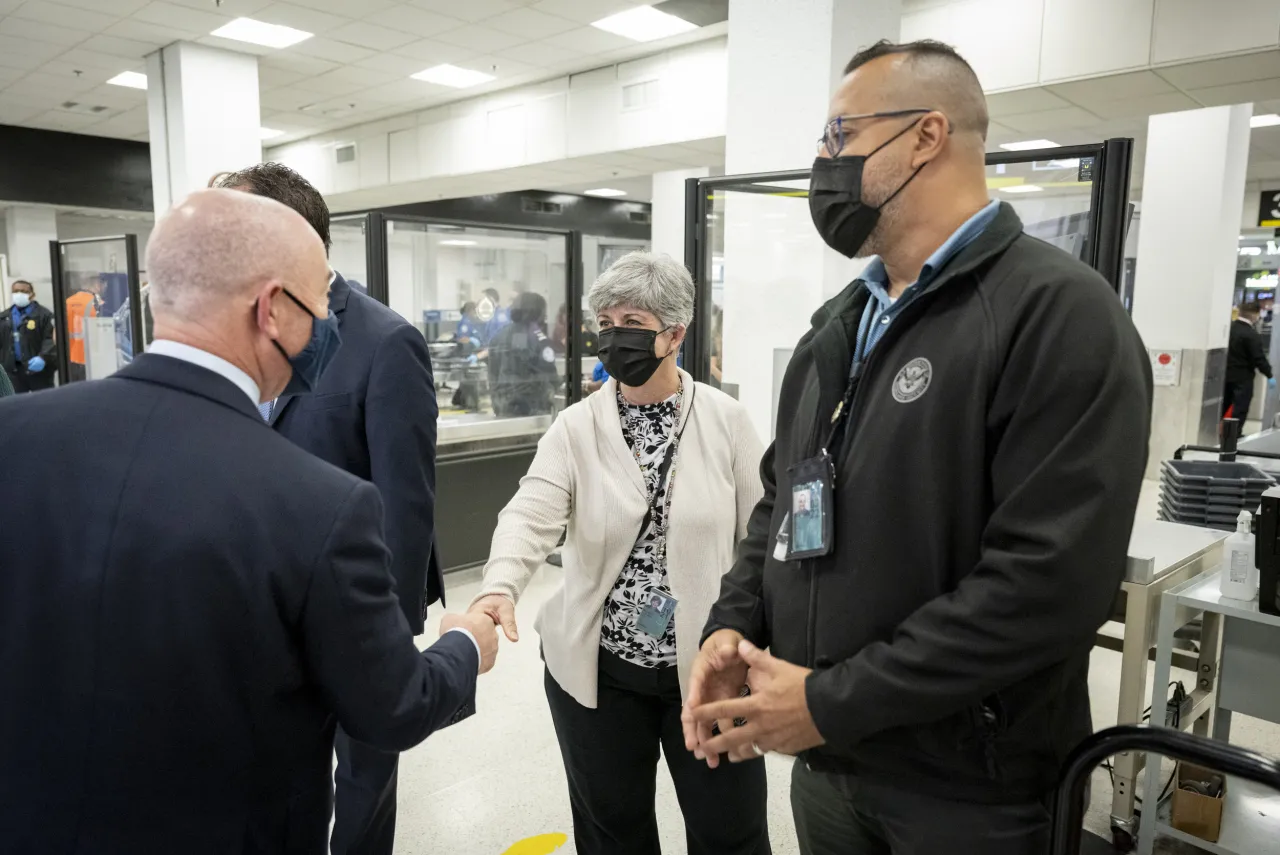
pixel 60 297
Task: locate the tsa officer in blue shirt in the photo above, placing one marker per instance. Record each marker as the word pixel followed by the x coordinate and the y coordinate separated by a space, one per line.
pixel 28 350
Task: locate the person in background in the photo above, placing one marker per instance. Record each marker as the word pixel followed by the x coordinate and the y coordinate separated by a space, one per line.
pixel 599 376
pixel 211 598
pixel 86 302
pixel 468 333
pixel 372 414
pixel 499 315
pixel 522 362
pixel 28 349
pixel 1245 355
pixel 651 481
pixel 970 419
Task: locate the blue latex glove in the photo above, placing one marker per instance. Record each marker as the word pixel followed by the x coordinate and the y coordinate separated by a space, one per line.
pixel 472 360
pixel 1271 382
pixel 35 364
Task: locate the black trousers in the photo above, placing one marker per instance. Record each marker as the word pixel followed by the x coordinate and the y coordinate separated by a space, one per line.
pixel 1236 398
pixel 845 815
pixel 364 807
pixel 24 381
pixel 611 758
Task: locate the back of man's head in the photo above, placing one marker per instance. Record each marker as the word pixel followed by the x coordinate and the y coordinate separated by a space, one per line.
pixel 1251 309
pixel 216 246
pixel 930 74
pixel 284 185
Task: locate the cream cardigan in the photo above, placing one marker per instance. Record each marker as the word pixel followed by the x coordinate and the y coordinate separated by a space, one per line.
pixel 585 482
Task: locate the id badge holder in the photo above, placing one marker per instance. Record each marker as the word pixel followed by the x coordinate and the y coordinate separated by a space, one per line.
pixel 656 614
pixel 811 532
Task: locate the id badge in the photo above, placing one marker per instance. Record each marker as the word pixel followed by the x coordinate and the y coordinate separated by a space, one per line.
pixel 811 512
pixel 656 615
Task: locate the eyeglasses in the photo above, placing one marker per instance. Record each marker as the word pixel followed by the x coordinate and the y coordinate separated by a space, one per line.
pixel 833 134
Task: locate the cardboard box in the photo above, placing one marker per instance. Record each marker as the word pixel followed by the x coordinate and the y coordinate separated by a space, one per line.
pixel 1195 814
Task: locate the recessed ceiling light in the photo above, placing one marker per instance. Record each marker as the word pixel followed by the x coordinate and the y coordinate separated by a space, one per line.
pixel 457 243
pixel 260 33
pixel 269 133
pixel 132 79
pixel 1266 120
pixel 606 192
pixel 1029 145
pixel 644 24
pixel 1022 188
pixel 452 75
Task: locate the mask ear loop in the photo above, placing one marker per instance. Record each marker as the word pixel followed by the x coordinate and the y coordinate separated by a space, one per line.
pixel 910 177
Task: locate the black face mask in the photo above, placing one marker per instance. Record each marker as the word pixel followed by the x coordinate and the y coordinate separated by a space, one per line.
pixel 835 199
pixel 630 355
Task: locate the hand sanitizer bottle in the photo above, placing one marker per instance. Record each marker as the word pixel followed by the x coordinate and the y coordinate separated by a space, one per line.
pixel 1239 579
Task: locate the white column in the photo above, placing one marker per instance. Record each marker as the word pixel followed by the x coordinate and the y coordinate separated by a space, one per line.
pixel 1192 192
pixel 28 231
pixel 203 114
pixel 668 210
pixel 785 59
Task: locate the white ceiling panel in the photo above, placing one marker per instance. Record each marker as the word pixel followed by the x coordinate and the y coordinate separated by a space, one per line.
pixel 82 58
pixel 582 11
pixel 334 51
pixel 17 111
pixel 301 18
pixel 113 7
pixel 21 28
pixel 371 36
pixel 197 21
pixel 1220 72
pixel 542 54
pixel 1168 102
pixel 367 8
pixel 420 22
pixel 61 16
pixel 287 98
pixel 1115 87
pixel 432 52
pixel 1237 93
pixel 589 40
pixel 9 75
pixel 345 79
pixel 308 65
pixel 21 61
pixel 1050 120
pixel 401 66
pixel 1023 101
pixel 60 67
pixel 233 8
pixel 470 10
pixel 271 77
pixel 482 39
pixel 404 92
pixel 152 34
pixel 117 46
pixel 528 24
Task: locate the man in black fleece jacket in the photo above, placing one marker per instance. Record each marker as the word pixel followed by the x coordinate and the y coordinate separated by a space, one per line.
pixel 972 416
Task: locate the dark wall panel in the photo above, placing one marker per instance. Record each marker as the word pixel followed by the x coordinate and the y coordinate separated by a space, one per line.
pixel 54 168
pixel 538 208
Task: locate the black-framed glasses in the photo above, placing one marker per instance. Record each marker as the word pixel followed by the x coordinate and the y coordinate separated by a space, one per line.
pixel 833 134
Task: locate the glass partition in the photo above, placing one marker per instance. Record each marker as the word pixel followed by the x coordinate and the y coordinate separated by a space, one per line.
pixel 486 300
pixel 1074 197
pixel 100 308
pixel 598 255
pixel 349 254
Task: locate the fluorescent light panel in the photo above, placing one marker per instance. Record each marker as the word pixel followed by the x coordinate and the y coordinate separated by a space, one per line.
pixel 606 192
pixel 260 33
pixel 452 75
pixel 1029 145
pixel 269 133
pixel 457 243
pixel 1266 120
pixel 1022 188
pixel 644 24
pixel 132 79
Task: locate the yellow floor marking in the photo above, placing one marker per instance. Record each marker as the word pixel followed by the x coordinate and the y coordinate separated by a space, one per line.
pixel 543 844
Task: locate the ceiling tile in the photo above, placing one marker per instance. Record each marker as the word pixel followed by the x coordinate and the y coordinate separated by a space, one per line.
pixel 113 7
pixel 232 45
pixel 401 66
pixel 1049 120
pixel 589 40
pixel 1023 101
pixel 420 22
pixel 61 67
pixel 62 16
pixel 345 80
pixel 542 54
pixel 301 18
pixel 404 92
pixel 21 61
pixel 480 39
pixel 334 51
pixel 1220 72
pixel 195 21
pixel 471 10
pixel 270 76
pixel 432 52
pixel 117 46
pixel 368 8
pixel 21 28
pixel 583 11
pixel 307 65
pixel 9 75
pixel 232 8
pixel 17 112
pixel 529 24
pixel 286 98
pixel 81 58
pixel 61 120
pixel 1236 93
pixel 1113 87
pixel 152 34
pixel 500 66
pixel 367 35
pixel 1169 102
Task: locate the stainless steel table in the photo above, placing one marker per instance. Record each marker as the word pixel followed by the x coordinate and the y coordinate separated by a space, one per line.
pixel 1162 555
pixel 1240 677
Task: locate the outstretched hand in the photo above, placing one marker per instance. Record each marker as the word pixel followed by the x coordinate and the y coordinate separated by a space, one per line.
pixel 501 611
pixel 777 713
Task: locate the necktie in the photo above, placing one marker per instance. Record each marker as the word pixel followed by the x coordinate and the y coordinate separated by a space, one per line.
pixel 265 409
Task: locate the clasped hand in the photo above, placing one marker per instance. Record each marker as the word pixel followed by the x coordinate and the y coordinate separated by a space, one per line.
pixel 776 713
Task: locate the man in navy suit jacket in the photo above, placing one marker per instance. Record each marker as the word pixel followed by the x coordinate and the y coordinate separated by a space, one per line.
pixel 374 415
pixel 207 599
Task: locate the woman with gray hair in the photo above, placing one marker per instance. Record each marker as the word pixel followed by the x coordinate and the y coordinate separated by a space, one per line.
pixel 651 479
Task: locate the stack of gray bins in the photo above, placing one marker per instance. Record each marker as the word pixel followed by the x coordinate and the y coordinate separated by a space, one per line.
pixel 1210 493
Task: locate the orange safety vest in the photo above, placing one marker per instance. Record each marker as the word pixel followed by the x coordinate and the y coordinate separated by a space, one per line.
pixel 80 305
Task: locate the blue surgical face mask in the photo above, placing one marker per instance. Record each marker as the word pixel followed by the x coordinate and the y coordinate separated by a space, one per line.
pixel 312 360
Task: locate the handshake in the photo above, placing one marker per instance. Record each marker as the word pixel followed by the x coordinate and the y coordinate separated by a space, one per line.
pixel 482 621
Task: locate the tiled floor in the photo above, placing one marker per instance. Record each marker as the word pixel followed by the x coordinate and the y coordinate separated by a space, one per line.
pixel 483 786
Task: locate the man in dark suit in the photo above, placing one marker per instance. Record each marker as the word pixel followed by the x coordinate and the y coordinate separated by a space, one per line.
pixel 208 599
pixel 374 415
pixel 1245 355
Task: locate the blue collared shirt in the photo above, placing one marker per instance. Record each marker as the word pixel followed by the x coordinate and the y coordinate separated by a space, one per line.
pixel 882 309
pixel 18 317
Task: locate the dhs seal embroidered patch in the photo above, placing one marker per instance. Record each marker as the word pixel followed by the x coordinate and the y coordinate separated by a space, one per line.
pixel 912 381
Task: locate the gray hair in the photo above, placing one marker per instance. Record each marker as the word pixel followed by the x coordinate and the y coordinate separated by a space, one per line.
pixel 653 282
